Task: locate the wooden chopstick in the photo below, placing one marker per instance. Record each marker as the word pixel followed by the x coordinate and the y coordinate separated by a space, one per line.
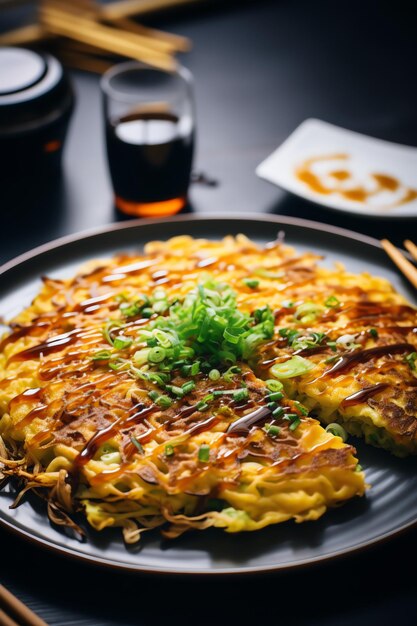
pixel 166 41
pixel 14 608
pixel 400 261
pixel 127 8
pixel 85 62
pixel 107 38
pixel 32 33
pixel 412 248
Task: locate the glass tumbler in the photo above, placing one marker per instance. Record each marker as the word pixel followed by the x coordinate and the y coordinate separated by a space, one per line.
pixel 150 131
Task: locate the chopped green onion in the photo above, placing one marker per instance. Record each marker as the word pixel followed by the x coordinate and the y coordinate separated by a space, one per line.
pixel 252 283
pixel 273 385
pixel 147 312
pixel 195 368
pixel 241 394
pixel 272 430
pixel 204 452
pixel 303 410
pixel 108 328
pixel 214 374
pixel 275 396
pixel 102 355
pixel 188 386
pixel 230 337
pixel 137 444
pixel 411 360
pixel 307 312
pixel 141 356
pixel 164 402
pixel 121 342
pixel 332 302
pixel 230 373
pixel 278 412
pixel 129 310
pixel 296 366
pixel 294 424
pixel 264 273
pixel 358 468
pixel 290 417
pixel 202 406
pixel 176 391
pixel 373 332
pixel 272 406
pixel 154 395
pixel 337 430
pixel 169 450
pixel 208 398
pixel 332 345
pixel 290 334
pixel 157 354
pixel 117 365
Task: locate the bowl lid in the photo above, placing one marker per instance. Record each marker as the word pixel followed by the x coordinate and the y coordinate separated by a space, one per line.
pixel 19 70
pixel 32 85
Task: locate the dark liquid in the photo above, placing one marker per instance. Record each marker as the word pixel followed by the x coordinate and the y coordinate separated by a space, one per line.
pixel 150 159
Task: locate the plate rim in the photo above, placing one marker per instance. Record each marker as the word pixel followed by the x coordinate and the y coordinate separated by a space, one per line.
pixel 134 568
pixel 82 235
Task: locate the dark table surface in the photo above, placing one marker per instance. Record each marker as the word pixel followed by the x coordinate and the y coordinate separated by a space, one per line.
pixel 260 69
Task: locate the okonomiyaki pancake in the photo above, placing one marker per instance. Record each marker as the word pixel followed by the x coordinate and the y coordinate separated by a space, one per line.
pixel 139 392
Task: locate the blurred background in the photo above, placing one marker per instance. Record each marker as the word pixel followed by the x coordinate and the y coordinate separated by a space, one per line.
pixel 260 68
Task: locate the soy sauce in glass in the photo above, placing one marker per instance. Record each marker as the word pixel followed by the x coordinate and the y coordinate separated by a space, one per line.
pixel 149 117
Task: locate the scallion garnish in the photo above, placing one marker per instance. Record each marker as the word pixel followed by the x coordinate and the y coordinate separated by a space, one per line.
pixel 411 360
pixel 272 430
pixel 175 390
pixel 122 342
pixel 164 401
pixel 332 302
pixel 294 424
pixel 169 450
pixel 275 396
pixel 373 332
pixel 214 374
pixel 273 385
pixel 156 354
pixel 204 452
pixel 241 394
pixel 252 283
pixel 337 430
pixel 137 444
pixel 102 355
pixel 188 386
pixel 296 366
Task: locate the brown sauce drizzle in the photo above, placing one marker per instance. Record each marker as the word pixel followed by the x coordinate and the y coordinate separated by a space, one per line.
pixel 363 395
pixel 243 424
pixel 383 183
pixel 102 435
pixel 54 344
pixel 346 362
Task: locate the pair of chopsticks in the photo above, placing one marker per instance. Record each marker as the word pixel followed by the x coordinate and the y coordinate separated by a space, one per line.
pixel 86 33
pixel 408 269
pixel 14 613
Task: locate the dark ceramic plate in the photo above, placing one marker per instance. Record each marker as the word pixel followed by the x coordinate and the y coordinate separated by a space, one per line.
pixel 389 507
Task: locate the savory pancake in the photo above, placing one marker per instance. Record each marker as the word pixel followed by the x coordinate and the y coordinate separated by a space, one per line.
pixel 140 392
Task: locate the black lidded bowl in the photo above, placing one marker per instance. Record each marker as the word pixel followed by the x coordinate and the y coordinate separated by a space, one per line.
pixel 36 102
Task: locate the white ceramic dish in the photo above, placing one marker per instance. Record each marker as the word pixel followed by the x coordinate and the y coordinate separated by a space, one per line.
pixel 324 150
